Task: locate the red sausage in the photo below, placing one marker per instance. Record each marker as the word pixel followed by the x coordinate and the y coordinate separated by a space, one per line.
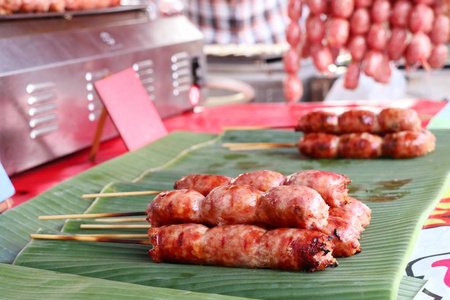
pixel 441 28
pixel 438 56
pixel 426 2
pixel 293 34
pixel 335 52
pixel 400 13
pixel 317 7
pixel 295 9
pixel 337 32
pixel 372 62
pixel 380 11
pixel 377 37
pixel 363 3
pixel 293 88
pixel 315 28
pixel 360 21
pixel 440 6
pixel 357 47
pixel 383 74
pixel 305 50
pixel 291 61
pixel 419 49
pixel 322 57
pixel 342 8
pixel 421 19
pixel 352 76
pixel 397 43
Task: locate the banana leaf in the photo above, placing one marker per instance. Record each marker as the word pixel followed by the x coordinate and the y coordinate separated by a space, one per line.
pixel 401 194
pixel 27 283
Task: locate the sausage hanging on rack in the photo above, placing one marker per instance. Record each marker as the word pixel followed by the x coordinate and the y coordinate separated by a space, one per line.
pixel 283 206
pixel 388 120
pixel 404 144
pixel 242 246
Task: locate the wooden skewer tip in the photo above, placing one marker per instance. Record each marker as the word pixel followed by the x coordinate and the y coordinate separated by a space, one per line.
pixel 88 239
pixel 120 194
pixel 89 216
pixel 115 226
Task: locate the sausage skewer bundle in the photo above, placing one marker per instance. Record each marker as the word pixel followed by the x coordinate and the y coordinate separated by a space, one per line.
pixel 292 205
pixel 403 144
pixel 246 245
pixel 386 121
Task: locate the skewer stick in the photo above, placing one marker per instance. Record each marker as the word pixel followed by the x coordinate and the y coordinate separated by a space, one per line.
pixel 115 235
pixel 121 220
pixel 87 239
pixel 256 146
pixel 89 216
pixel 115 226
pixel 425 117
pixel 257 127
pixel 120 194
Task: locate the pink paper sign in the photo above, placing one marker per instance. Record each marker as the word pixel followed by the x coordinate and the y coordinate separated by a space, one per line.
pixel 130 109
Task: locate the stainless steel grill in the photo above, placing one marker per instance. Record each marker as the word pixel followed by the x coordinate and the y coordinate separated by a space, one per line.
pixel 50 62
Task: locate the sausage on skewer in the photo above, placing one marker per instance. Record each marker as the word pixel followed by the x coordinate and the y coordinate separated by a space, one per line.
pixel 263 180
pixel 329 185
pixel 388 120
pixel 201 183
pixel 284 206
pixel 242 246
pixel 405 144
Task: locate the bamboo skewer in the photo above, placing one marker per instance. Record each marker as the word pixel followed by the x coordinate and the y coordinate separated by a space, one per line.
pixel 119 194
pixel 121 220
pixel 89 216
pixel 115 235
pixel 256 146
pixel 115 226
pixel 88 239
pixel 258 127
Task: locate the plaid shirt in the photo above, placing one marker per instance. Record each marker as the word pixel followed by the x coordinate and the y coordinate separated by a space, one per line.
pixel 239 21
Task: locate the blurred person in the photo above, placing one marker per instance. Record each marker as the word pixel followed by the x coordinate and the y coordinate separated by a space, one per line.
pixel 239 21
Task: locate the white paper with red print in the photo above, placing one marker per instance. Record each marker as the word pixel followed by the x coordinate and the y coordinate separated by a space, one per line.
pixel 430 259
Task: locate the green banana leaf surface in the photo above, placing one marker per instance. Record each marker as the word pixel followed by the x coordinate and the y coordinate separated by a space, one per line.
pixel 401 194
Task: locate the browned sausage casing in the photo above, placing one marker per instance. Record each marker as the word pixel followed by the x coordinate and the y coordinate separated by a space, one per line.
pixel 242 246
pixel 173 207
pixel 331 186
pixel 263 180
pixel 284 206
pixel 404 144
pixel 201 183
pixel 356 120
